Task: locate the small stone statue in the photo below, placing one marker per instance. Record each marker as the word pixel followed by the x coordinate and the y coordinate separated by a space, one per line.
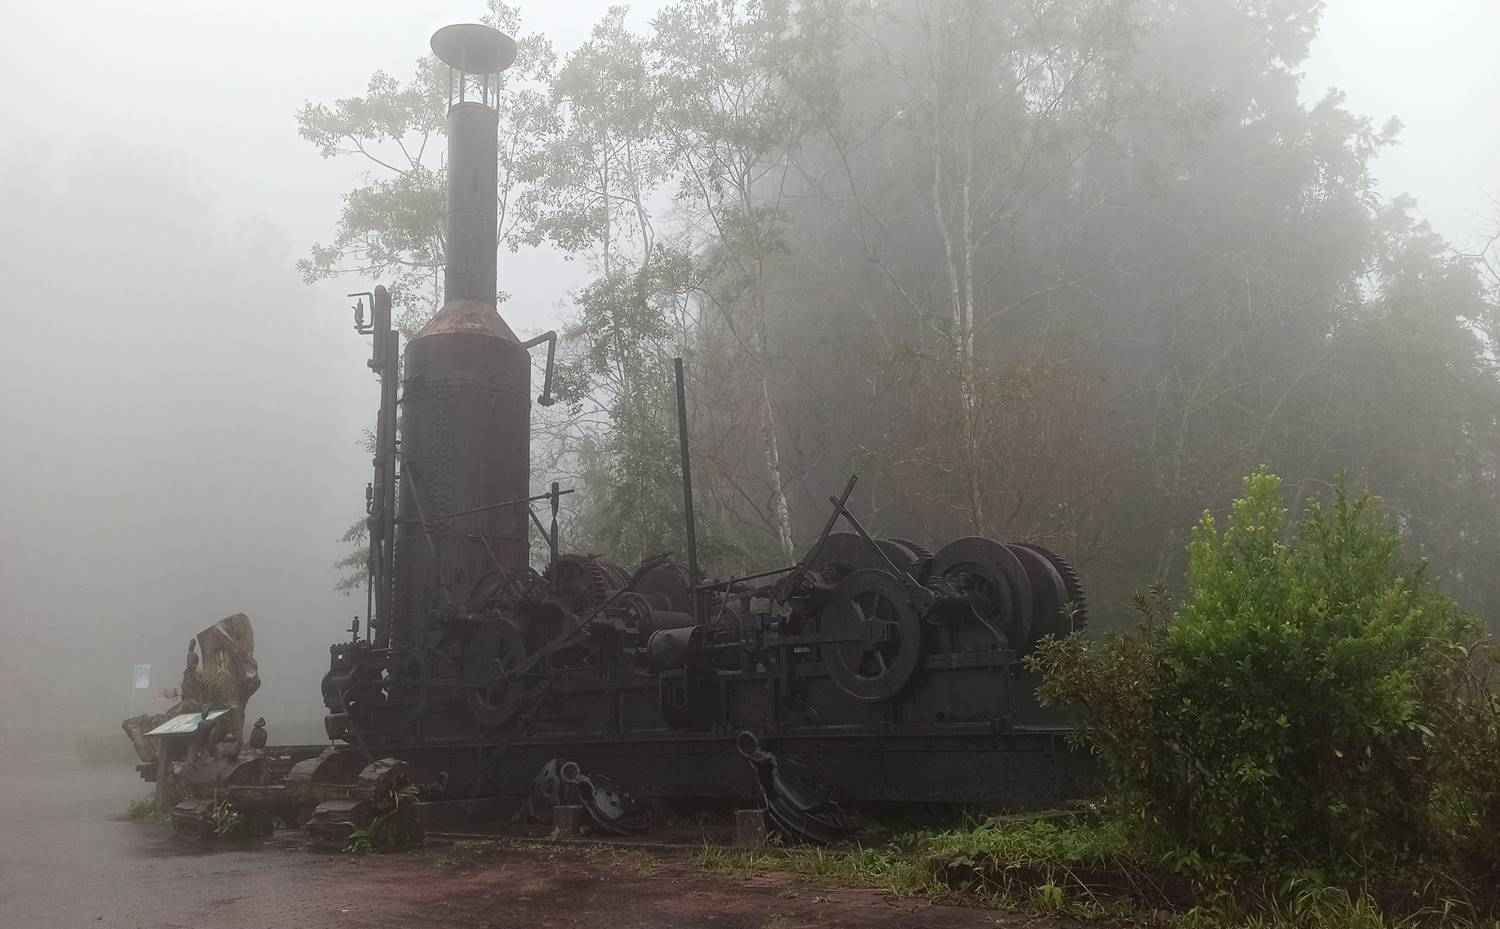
pixel 189 689
pixel 258 735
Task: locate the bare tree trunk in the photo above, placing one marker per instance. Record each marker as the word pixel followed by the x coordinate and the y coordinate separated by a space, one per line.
pixel 779 507
pixel 773 466
pixel 961 293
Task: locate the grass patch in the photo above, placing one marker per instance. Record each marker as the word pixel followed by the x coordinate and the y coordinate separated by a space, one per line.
pixel 1095 867
pixel 887 868
pixel 143 810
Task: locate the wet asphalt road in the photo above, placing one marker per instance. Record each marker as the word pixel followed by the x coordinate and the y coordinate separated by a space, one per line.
pixel 66 862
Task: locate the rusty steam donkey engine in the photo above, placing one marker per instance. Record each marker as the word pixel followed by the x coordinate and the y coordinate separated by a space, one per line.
pixel 872 668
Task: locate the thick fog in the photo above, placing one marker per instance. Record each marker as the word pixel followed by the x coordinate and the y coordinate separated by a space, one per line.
pixel 181 417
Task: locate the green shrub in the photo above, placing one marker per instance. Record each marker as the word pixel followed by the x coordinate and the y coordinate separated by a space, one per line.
pixel 143 810
pixel 1466 748
pixel 231 824
pixel 397 827
pixel 1300 707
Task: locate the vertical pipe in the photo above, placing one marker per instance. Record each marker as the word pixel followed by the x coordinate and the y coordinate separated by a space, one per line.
pixel 388 506
pixel 384 357
pixel 552 536
pixel 687 484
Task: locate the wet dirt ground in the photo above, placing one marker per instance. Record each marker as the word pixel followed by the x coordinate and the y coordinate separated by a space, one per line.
pixel 66 863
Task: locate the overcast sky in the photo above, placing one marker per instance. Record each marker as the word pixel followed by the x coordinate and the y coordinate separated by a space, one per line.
pixel 253 413
pixel 218 83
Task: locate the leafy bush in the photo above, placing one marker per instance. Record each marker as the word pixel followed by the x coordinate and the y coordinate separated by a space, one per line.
pixel 231 824
pixel 1304 705
pixel 1467 750
pixel 397 827
pixel 143 810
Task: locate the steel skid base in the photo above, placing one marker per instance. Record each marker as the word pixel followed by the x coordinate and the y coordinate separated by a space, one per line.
pixel 1021 769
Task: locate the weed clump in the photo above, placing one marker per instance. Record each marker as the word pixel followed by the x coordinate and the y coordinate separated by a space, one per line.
pixel 143 810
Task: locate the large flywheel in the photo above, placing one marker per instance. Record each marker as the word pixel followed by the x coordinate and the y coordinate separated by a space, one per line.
pixel 878 636
pixel 492 656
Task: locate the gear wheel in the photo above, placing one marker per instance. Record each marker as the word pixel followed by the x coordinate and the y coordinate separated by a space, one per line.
pixel 1073 587
pixel 579 583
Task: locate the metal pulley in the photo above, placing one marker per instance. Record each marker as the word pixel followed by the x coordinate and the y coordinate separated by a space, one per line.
pixel 611 807
pixel 799 804
pixel 995 583
pixel 548 791
pixel 874 633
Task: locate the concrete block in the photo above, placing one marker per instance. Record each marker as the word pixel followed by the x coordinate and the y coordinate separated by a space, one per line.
pixel 749 829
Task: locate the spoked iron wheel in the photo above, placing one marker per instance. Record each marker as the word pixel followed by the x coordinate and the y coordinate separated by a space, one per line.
pixel 491 655
pixel 871 610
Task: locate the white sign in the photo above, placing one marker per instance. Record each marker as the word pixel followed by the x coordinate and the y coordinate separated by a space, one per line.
pixel 142 677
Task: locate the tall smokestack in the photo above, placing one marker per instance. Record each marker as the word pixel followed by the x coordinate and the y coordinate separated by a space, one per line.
pixel 470 270
pixel 475 56
pixel 466 410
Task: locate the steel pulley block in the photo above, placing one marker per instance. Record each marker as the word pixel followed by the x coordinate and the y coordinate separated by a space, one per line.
pixel 799 804
pixel 548 790
pixel 611 807
pixel 996 585
pixel 871 611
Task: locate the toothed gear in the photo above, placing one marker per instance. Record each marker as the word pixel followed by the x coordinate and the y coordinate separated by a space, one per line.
pixel 581 583
pixel 615 576
pixel 1070 581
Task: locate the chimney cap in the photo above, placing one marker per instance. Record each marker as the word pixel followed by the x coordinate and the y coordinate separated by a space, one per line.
pixel 473 48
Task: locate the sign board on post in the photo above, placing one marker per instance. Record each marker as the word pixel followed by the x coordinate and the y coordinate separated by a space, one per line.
pixel 142 677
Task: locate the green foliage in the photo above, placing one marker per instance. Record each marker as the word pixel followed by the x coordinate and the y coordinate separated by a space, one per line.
pixel 143 810
pixel 353 567
pixel 1032 268
pixel 1465 748
pixel 1093 866
pixel 1070 843
pixel 231 824
pixel 397 827
pixel 392 223
pixel 216 685
pixel 1296 711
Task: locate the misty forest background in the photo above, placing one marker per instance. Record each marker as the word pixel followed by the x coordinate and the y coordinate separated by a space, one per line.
pixel 1051 270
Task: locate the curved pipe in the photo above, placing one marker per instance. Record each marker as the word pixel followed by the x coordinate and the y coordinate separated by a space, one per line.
pixel 550 337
